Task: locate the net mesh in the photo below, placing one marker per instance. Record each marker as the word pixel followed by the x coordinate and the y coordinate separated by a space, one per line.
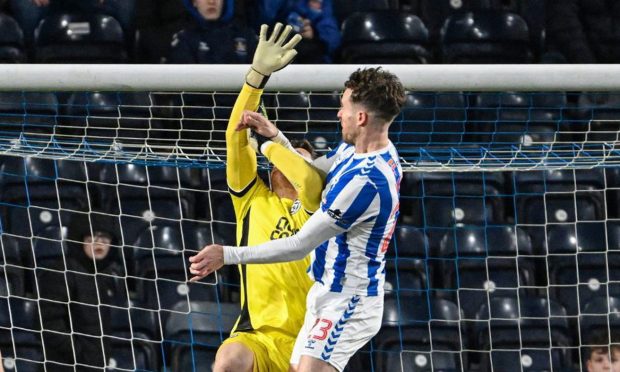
pixel 488 270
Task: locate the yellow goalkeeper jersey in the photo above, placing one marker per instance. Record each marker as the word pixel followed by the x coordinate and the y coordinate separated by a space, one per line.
pixel 273 296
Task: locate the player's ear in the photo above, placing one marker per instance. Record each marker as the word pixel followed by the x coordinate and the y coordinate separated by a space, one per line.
pixel 362 118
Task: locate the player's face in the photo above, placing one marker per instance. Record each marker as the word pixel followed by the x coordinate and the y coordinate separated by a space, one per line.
pixel 278 181
pixel 211 10
pixel 97 246
pixel 600 361
pixel 348 118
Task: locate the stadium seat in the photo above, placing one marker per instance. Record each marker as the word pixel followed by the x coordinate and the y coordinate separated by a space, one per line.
pixel 100 118
pixel 581 265
pixel 485 36
pixel 438 201
pixel 384 37
pixel 601 314
pixel 599 114
pixel 345 8
pixel 406 264
pixel 20 335
pixel 13 270
pixel 31 115
pixel 523 334
pixel 161 269
pixel 612 180
pixel 324 132
pixel 482 263
pixel 48 246
pixel 11 41
pixel 418 332
pixel 430 119
pixel 193 338
pixel 135 339
pixel 513 119
pixel 80 38
pixel 567 196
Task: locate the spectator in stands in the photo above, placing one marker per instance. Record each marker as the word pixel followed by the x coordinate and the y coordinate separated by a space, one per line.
pixel 29 13
pixel 584 31
pixel 156 22
pixel 214 36
pixel 314 20
pixel 601 355
pixel 81 294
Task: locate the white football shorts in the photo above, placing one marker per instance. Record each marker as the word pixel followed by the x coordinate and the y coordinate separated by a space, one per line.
pixel 336 325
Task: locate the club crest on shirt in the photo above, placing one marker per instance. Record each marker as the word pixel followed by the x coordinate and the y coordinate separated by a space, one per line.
pixel 295 207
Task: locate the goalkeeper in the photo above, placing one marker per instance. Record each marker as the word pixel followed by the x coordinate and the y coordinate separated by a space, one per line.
pixel 273 297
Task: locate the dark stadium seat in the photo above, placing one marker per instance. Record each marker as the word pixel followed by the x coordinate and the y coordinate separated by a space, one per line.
pixel 80 38
pixel 48 247
pixel 599 113
pixel 612 182
pixel 600 314
pixel 31 115
pixel 11 41
pixel 482 263
pixel 418 332
pixel 513 119
pixel 20 335
pixel 345 8
pixel 135 340
pixel 13 270
pixel 100 118
pixel 523 334
pixel 437 201
pixel 435 119
pixel 161 267
pixel 566 196
pixel 324 131
pixel 486 36
pixel 406 263
pixel 193 338
pixel 581 264
pixel 384 37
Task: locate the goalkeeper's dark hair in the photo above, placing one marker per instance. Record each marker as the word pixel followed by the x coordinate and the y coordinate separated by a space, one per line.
pixel 381 92
pixel 306 145
pixel 599 341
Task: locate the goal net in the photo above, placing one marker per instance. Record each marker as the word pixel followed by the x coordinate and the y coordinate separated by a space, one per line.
pixel 506 256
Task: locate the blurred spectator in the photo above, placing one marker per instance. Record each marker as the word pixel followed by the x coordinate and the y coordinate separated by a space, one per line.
pixel 313 19
pixel 29 13
pixel 156 21
pixel 81 295
pixel 601 355
pixel 214 36
pixel 584 31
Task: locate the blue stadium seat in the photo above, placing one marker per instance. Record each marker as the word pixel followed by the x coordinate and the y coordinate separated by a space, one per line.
pixel 345 8
pixel 11 41
pixel 14 268
pixel 567 196
pixel 406 264
pixel 523 334
pixel 436 119
pixel 29 114
pixel 601 314
pixel 80 38
pixel 581 264
pixel 513 119
pixel 599 114
pixel 486 36
pixel 103 117
pixel 482 263
pixel 426 328
pixel 437 201
pixel 161 269
pixel 23 344
pixel 191 339
pixel 135 339
pixel 384 37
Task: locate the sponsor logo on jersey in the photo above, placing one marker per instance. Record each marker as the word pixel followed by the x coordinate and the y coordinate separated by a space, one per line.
pixel 335 214
pixel 283 229
pixel 295 207
pixel 310 344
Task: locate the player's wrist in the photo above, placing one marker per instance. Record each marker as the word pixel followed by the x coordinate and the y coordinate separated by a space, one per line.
pixel 256 79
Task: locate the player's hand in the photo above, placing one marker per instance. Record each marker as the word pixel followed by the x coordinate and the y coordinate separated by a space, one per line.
pixel 258 123
pixel 271 54
pixel 207 261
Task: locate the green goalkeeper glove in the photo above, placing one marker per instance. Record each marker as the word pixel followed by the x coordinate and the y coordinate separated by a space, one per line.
pixel 271 55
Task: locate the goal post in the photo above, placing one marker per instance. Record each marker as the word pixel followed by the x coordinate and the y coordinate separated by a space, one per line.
pixel 506 252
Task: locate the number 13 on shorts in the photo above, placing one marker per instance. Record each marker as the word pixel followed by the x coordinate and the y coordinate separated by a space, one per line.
pixel 320 329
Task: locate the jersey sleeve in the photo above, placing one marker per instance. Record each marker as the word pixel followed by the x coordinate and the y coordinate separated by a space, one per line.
pixel 306 179
pixel 241 174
